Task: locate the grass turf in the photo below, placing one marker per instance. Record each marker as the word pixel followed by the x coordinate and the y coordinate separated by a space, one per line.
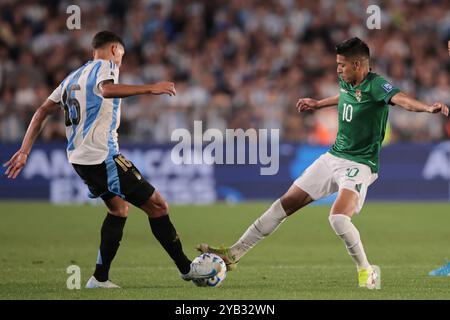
pixel 304 259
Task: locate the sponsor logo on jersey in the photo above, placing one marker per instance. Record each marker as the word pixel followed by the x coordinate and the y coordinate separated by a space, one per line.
pixel 358 95
pixel 137 175
pixel 343 90
pixel 387 87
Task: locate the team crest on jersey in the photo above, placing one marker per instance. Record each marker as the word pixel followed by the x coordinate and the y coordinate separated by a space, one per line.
pixel 358 95
pixel 387 87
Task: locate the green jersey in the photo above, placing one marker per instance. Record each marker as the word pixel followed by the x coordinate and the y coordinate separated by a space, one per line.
pixel 363 113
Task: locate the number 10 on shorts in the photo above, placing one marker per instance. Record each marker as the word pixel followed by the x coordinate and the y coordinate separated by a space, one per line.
pixel 352 172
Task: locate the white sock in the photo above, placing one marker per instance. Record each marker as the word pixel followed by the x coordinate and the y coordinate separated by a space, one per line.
pixel 345 229
pixel 267 223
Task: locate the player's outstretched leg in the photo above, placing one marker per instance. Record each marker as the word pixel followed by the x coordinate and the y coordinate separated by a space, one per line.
pixel 340 220
pixel 157 210
pixel 111 235
pixel 267 223
pixel 294 199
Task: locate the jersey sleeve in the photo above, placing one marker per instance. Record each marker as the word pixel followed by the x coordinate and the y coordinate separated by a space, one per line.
pixel 56 94
pixel 382 90
pixel 108 71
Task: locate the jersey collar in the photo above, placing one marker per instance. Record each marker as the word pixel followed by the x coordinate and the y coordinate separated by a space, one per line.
pixel 366 78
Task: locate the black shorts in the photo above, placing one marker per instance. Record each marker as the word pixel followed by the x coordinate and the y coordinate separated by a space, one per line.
pixel 116 176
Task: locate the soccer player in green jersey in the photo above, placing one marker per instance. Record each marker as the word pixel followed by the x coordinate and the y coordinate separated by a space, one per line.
pixel 349 167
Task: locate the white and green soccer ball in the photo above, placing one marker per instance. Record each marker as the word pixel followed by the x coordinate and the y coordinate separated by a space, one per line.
pixel 217 280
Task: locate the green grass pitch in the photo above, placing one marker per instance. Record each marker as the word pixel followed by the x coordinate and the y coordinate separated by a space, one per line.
pixel 303 259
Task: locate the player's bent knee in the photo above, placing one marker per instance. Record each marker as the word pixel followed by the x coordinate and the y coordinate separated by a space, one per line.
pixel 166 206
pixel 344 209
pixel 294 199
pixel 161 208
pixel 345 203
pixel 156 212
pixel 289 204
pixel 117 207
pixel 120 211
pixel 158 202
pixel 156 206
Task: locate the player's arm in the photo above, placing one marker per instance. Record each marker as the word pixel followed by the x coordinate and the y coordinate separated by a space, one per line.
pixel 306 104
pixel 406 102
pixel 19 159
pixel 110 90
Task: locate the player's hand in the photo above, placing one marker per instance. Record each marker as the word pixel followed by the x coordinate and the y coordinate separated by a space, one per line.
pixel 306 104
pixel 439 107
pixel 163 87
pixel 15 164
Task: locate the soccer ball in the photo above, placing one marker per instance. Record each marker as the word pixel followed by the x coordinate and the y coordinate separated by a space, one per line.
pixel 218 278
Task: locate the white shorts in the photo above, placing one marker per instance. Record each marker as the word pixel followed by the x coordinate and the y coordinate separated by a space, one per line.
pixel 328 174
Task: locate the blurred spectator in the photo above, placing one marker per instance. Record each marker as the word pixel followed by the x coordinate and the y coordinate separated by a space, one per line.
pixel 236 64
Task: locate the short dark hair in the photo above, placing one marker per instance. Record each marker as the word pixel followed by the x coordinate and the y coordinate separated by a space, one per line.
pixel 353 47
pixel 104 37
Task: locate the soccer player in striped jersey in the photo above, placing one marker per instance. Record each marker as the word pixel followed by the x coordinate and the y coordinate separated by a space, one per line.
pixel 90 98
pixel 349 167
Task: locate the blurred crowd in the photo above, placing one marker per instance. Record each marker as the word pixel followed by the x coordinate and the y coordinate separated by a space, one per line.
pixel 235 63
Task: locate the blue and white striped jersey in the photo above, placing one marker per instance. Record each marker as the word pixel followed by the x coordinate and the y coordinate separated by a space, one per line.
pixel 91 120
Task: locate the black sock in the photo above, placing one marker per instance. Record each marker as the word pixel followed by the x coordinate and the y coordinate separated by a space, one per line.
pixel 111 234
pixel 164 231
